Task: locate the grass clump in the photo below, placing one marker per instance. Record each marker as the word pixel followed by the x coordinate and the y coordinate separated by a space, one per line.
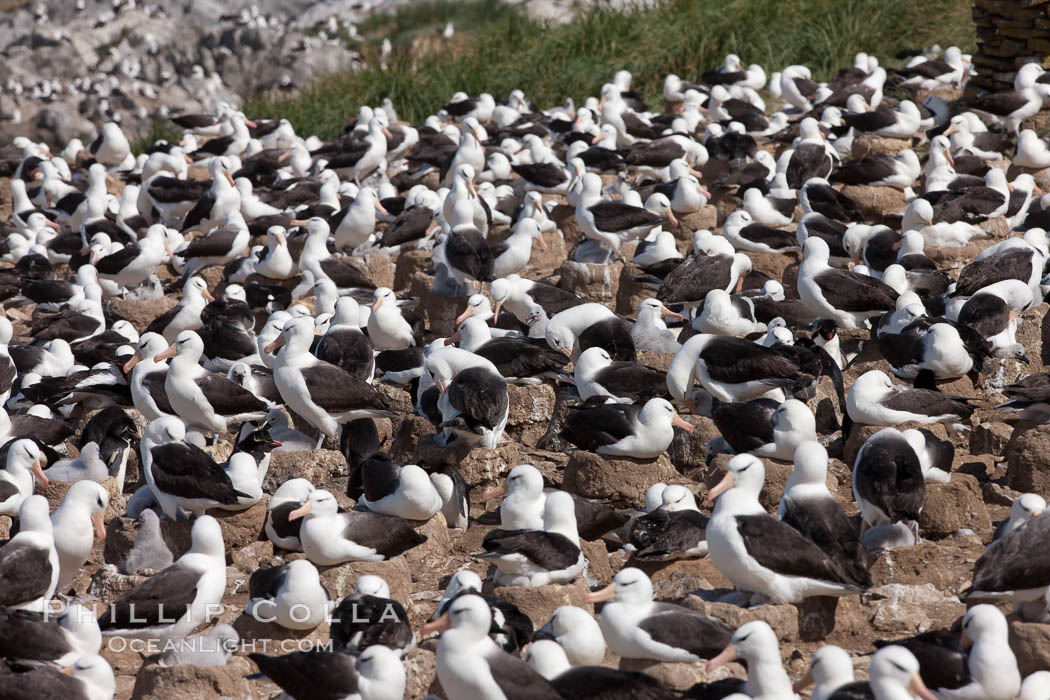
pixel 499 50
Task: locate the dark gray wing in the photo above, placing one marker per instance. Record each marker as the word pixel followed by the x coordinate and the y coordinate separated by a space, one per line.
pixel 682 628
pixel 160 598
pixel 25 573
pixel 851 291
pixel 549 550
pixel 780 548
pixel 516 678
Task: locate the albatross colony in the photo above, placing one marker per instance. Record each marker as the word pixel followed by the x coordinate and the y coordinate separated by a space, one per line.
pixel 579 403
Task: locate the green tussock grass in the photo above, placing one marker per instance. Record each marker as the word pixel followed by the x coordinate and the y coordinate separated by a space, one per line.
pixel 501 51
pixel 159 129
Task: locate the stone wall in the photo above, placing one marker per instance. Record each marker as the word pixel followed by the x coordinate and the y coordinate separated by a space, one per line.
pixel 1010 33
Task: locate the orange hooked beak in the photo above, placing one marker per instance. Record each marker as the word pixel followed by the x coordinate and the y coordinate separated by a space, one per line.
pixel 438 625
pixel 207 295
pixel 672 218
pixel 917 687
pixel 495 318
pixel 170 352
pixel 52 224
pixel 379 302
pixel 803 682
pixel 495 492
pixel 380 208
pixel 671 314
pixel 252 124
pixel 543 243
pixel 724 657
pixel 298 222
pixel 467 314
pixel 272 347
pixel 284 156
pixel 38 471
pixel 601 595
pixel 454 338
pixel 681 423
pixel 301 511
pixel 721 487
pixel 100 525
pixel 130 364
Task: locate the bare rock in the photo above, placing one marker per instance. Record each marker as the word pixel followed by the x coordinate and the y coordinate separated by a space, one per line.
pixel 777 474
pixel 782 618
pixel 902 610
pixel 999 227
pixel 108 584
pixel 409 262
pixel 630 292
pixel 186 681
pixel 947 565
pixel 398 397
pixel 675 580
pixel 597 283
pixel 484 466
pixel 954 506
pixel 379 268
pixel 439 311
pixel 704 218
pixel 317 466
pixel 770 264
pixel 410 432
pixel 1028 459
pixel 241 528
pixel 599 571
pixel 531 406
pixel 826 407
pixel 990 438
pixel 681 676
pixel 869 144
pixel 876 203
pixel 543 263
pixel 621 481
pixel 789 280
pixel 142 313
pixel 540 602
pixel 257 555
pixel 1030 642
pixel 421 674
pixel 56 491
pixel 431 555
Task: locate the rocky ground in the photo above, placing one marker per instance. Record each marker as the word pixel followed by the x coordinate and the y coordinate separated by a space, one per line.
pixel 65 70
pixel 69 65
pixel 916 588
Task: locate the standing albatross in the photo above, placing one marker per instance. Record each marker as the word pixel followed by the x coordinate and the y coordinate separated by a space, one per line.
pixel 323 394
